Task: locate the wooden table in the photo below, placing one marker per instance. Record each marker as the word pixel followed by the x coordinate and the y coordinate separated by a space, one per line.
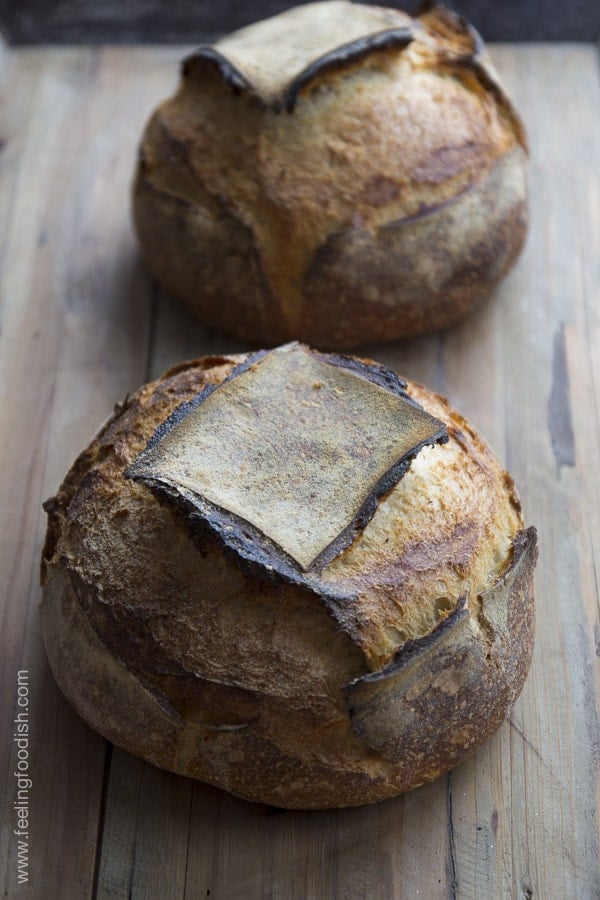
pixel 82 324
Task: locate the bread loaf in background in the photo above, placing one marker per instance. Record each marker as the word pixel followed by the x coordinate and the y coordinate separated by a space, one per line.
pixel 333 685
pixel 337 174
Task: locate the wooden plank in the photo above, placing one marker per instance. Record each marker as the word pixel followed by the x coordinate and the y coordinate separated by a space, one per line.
pixel 259 852
pixel 31 337
pixel 75 305
pixel 543 788
pixel 17 106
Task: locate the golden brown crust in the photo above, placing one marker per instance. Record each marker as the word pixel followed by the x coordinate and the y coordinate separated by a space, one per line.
pixel 454 262
pixel 445 693
pixel 388 202
pixel 182 654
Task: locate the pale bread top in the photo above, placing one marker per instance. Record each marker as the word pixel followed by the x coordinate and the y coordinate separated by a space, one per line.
pixel 299 447
pixel 272 54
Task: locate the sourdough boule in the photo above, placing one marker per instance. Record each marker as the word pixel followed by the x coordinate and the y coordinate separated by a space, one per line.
pixel 292 575
pixel 337 174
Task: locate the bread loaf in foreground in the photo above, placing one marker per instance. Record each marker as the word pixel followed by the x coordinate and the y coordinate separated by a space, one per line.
pixel 333 609
pixel 338 174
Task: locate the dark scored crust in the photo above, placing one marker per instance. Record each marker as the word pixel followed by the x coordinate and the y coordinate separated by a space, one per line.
pixel 388 201
pixel 157 468
pixel 184 654
pixel 339 58
pixel 421 711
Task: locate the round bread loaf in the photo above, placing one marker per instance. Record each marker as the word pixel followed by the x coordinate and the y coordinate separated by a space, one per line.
pixel 337 174
pixel 234 650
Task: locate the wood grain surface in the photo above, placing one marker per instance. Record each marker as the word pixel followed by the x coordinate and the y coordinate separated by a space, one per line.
pixel 82 324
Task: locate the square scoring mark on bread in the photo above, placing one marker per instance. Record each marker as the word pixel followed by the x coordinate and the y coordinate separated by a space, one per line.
pixel 299 445
pixel 276 57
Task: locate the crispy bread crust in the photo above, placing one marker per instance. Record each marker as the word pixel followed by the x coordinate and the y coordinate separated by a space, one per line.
pixel 400 658
pixel 385 202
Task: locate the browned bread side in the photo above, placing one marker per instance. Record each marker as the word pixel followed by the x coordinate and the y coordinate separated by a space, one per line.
pixel 385 201
pixel 394 662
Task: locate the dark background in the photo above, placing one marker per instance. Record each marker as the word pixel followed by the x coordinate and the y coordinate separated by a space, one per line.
pixel 192 21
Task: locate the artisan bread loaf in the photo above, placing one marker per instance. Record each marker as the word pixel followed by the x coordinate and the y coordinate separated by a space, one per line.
pixel 292 575
pixel 337 174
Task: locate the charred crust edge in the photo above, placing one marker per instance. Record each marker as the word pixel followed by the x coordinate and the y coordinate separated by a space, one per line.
pixel 366 512
pixel 246 542
pixel 185 408
pixel 413 648
pixel 370 371
pixel 523 548
pixel 395 38
pixel 339 58
pixel 357 50
pixel 445 12
pixel 249 548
